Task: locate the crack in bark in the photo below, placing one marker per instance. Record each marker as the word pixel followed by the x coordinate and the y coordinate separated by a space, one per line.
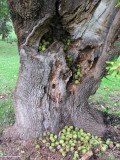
pixel 57 8
pixel 44 111
pixel 40 22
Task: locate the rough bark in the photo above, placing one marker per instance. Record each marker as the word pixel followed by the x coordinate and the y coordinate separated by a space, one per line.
pixel 46 98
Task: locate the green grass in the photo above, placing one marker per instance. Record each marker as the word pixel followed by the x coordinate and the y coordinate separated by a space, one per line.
pixel 13 34
pixel 108 95
pixel 9 65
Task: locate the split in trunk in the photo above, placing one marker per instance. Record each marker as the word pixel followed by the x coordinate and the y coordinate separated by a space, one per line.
pixel 46 96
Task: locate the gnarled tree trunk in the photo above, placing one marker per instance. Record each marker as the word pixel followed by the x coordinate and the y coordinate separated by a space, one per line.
pixel 46 97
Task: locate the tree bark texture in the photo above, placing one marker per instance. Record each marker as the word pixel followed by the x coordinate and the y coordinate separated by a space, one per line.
pixel 45 96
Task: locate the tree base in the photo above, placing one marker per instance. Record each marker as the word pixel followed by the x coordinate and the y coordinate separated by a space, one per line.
pixel 17 132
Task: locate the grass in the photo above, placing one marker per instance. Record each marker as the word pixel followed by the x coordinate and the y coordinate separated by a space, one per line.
pixel 13 34
pixel 107 95
pixel 9 65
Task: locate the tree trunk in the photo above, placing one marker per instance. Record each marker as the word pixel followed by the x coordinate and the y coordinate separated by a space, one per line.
pixel 3 28
pixel 46 97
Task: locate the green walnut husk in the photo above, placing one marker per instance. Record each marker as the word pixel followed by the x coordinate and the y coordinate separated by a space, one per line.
pixel 37 146
pixel 75 140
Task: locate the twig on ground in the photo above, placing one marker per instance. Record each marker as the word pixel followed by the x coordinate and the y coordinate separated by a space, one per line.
pixel 88 155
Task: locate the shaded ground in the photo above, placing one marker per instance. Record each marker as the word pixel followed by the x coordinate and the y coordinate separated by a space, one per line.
pixel 25 150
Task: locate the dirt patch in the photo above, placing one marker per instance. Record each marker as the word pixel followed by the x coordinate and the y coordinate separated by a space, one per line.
pixel 25 150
